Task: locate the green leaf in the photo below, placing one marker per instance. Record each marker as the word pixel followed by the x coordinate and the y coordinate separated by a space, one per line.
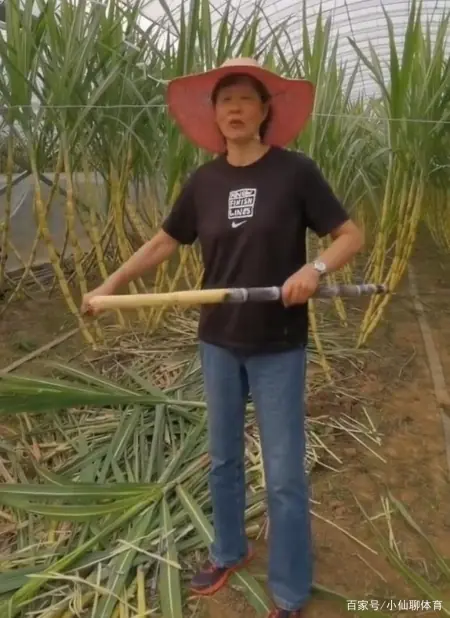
pixel 252 589
pixel 30 590
pixel 169 580
pixel 71 512
pixel 445 568
pixel 423 588
pixel 121 565
pixel 79 491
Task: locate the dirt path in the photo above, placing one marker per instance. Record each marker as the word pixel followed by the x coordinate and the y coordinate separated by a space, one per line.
pixel 415 471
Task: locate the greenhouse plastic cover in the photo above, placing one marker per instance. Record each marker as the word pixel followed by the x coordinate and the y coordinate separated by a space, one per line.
pixel 363 21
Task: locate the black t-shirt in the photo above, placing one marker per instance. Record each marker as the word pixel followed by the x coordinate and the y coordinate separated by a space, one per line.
pixel 251 225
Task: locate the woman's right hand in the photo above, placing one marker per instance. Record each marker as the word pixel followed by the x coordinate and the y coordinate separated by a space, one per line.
pixel 86 307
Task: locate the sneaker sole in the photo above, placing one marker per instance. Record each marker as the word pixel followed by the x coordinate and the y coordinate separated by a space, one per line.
pixel 206 592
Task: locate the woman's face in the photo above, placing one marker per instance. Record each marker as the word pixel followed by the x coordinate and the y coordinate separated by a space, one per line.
pixel 240 112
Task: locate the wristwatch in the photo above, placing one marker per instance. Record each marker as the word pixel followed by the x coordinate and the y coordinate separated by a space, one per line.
pixel 320 267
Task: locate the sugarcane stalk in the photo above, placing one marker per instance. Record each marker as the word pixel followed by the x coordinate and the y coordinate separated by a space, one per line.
pixel 379 249
pixel 24 265
pixel 29 265
pixel 130 208
pixel 410 236
pixel 70 222
pixel 4 227
pixel 337 300
pixel 316 337
pixel 122 242
pixel 127 596
pixel 406 229
pixel 40 211
pixel 407 225
pixel 141 593
pixel 183 256
pixel 369 322
pixel 136 222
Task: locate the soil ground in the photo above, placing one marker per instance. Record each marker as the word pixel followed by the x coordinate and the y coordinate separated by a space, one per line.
pixel 398 382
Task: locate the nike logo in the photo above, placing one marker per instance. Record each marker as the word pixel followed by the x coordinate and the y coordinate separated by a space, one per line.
pixel 237 223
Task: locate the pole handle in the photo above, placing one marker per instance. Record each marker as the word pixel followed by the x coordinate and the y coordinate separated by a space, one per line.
pixel 225 295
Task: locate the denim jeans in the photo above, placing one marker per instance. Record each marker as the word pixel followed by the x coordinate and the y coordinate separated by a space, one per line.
pixel 276 383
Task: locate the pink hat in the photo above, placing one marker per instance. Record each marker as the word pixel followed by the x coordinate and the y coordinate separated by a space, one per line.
pixel 189 102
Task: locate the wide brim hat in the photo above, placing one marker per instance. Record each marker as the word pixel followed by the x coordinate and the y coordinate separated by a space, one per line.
pixel 189 103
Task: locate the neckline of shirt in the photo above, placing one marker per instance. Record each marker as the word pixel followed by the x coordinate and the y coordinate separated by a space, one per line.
pixel 252 165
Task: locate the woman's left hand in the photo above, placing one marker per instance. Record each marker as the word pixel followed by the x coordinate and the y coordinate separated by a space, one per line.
pixel 300 286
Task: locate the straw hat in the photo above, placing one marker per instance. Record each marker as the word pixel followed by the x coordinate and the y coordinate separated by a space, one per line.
pixel 189 103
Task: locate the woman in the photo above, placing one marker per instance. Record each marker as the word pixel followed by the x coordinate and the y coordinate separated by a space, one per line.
pixel 250 208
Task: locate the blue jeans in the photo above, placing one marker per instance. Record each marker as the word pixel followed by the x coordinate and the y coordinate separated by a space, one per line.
pixel 276 383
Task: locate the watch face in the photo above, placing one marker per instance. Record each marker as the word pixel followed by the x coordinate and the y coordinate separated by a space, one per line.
pixel 320 267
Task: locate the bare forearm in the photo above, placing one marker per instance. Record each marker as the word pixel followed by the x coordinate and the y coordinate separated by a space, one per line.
pixel 150 255
pixel 299 287
pixel 343 248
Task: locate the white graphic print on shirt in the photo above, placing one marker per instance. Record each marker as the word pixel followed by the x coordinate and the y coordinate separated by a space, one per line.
pixel 241 204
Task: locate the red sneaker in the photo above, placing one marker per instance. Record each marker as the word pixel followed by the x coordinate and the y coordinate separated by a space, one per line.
pixel 211 578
